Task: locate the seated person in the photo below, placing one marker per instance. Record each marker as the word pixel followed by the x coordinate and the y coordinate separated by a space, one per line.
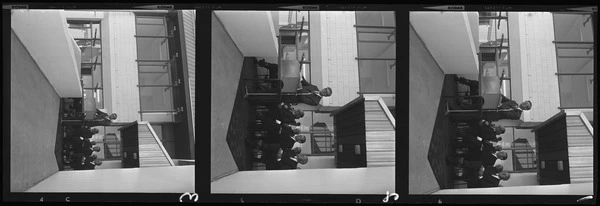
pixel 88 162
pixel 307 94
pixel 508 109
pixel 101 119
pixel 100 115
pixel 484 158
pixel 85 132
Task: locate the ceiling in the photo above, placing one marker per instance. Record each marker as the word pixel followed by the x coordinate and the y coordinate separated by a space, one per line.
pixel 252 31
pixel 451 38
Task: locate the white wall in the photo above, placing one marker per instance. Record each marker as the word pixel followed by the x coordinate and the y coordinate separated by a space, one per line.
pixel 338 50
pixel 536 64
pixel 123 67
pixel 312 181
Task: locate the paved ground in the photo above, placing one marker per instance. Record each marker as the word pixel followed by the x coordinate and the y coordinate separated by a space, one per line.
pixel 441 145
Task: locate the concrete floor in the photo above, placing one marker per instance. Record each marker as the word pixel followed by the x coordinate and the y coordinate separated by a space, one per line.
pixel 426 82
pixel 170 179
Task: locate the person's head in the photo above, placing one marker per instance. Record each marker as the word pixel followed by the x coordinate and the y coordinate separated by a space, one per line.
pixel 94 131
pixel 499 139
pixel 98 162
pixel 499 129
pixel 302 159
pixel 504 176
pixel 526 105
pixel 499 168
pixel 298 113
pixel 96 148
pixel 300 138
pixel 498 147
pixel 502 155
pixel 326 92
pixel 295 129
pixel 93 142
pixel 297 150
pixel 112 116
pixel 93 157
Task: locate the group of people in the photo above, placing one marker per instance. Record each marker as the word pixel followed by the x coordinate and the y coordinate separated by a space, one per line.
pixel 80 148
pixel 281 146
pixel 482 163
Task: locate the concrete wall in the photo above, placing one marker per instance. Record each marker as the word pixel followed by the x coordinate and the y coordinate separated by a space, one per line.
pixel 33 121
pixel 189 18
pixel 226 65
pixel 122 66
pixel 252 31
pixel 313 181
pixel 338 50
pixel 426 79
pixel 535 67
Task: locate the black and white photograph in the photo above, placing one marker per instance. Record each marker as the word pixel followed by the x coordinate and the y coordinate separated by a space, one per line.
pixel 102 101
pixel 303 102
pixel 501 103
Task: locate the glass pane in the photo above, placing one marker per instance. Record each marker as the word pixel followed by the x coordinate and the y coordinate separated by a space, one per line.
pixel 151 30
pixel 97 75
pixel 156 98
pixel 573 27
pixel 375 18
pixel 153 66
pixel 575 52
pixel 158 117
pixel 575 65
pixel 90 53
pixel 576 90
pixel 306 72
pixel 379 36
pixel 377 75
pixel 289 52
pixel 80 32
pixel 96 32
pixel 385 30
pixel 377 50
pixel 300 15
pixel 150 20
pixel 158 130
pixel 99 98
pixel 154 79
pixel 303 47
pixel 87 81
pixel 153 49
pixel 490 34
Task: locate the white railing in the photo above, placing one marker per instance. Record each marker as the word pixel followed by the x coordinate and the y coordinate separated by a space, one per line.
pixel 162 148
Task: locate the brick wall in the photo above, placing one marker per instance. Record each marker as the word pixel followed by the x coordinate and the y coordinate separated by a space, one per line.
pixel 339 50
pixel 537 65
pixel 123 67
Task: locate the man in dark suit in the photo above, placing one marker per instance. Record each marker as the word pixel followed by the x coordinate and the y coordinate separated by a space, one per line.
pixel 282 112
pixel 493 180
pixel 508 109
pixel 289 160
pixel 308 94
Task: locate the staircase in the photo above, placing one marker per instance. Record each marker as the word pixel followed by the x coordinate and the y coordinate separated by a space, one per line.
pixel 151 151
pixel 380 133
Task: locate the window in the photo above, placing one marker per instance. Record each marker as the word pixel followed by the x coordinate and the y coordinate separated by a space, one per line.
pixel 494 47
pixel 157 64
pixel 523 155
pixel 575 58
pixel 87 35
pixel 376 34
pixel 322 139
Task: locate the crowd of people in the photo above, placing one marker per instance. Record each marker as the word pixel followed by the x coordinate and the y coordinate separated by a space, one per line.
pixel 281 146
pixel 482 161
pixel 79 150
